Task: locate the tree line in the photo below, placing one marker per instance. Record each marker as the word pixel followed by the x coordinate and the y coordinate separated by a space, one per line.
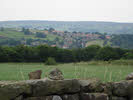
pixel 122 40
pixel 41 53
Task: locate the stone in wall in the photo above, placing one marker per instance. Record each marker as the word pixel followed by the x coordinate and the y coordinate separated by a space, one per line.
pixel 56 74
pixel 40 98
pixel 91 85
pixel 123 88
pixel 56 97
pixel 93 96
pixel 70 89
pixel 70 97
pixel 35 75
pixel 118 98
pixel 11 90
pixel 108 88
pixel 19 98
pixel 46 87
pixel 129 76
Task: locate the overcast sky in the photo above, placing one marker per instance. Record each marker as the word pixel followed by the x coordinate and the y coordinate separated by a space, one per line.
pixel 67 10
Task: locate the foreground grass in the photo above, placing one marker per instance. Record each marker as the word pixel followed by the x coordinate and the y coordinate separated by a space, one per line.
pixel 83 70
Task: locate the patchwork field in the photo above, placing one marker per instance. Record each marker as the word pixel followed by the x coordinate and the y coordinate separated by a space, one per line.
pixel 95 42
pixel 83 70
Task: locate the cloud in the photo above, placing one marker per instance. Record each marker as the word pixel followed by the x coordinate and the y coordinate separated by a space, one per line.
pixel 87 10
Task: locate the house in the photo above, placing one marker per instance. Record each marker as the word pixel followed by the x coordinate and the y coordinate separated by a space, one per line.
pixel 53 45
pixel 65 46
pixel 108 37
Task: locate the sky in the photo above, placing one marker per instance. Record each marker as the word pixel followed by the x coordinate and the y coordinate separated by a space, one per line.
pixel 67 10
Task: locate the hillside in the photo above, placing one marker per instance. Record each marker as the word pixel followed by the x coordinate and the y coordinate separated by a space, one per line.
pixel 52 37
pixel 12 37
pixel 83 26
pixel 62 39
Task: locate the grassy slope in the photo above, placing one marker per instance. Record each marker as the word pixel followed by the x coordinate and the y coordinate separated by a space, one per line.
pixel 107 72
pixel 9 33
pixel 98 42
pixel 52 37
pixel 83 26
pixel 14 34
pixel 95 42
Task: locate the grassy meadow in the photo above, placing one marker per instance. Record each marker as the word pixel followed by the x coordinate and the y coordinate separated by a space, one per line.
pixel 13 33
pixel 104 71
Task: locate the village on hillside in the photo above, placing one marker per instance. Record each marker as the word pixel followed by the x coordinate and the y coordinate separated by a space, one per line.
pixel 52 37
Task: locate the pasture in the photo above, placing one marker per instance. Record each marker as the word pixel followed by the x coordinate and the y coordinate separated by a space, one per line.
pixel 82 70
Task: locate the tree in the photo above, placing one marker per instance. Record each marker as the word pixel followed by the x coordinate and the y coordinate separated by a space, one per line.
pixel 66 32
pixel 2 29
pixel 40 35
pixel 26 31
pixel 13 42
pixel 107 53
pixel 4 57
pixel 50 61
pixel 23 29
pixel 128 55
pixel 102 37
pixel 91 51
pixel 66 55
pixel 29 41
pixel 51 29
pixel 121 52
pixel 74 32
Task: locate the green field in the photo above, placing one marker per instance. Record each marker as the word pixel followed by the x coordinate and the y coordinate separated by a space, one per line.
pixel 83 70
pixel 14 33
pixel 95 42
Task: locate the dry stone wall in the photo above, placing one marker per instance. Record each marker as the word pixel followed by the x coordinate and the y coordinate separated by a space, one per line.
pixel 67 89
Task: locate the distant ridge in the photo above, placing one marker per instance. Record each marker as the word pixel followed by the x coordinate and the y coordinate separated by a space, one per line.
pixel 62 21
pixel 83 26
